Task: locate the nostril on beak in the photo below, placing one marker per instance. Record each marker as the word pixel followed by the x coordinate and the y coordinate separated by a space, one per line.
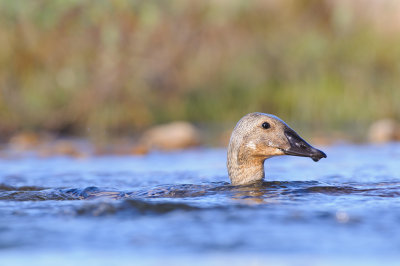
pixel 303 146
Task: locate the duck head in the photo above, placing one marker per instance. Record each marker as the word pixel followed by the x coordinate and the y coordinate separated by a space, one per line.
pixel 257 137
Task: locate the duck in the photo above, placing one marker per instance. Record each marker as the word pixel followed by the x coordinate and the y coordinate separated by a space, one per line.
pixel 257 137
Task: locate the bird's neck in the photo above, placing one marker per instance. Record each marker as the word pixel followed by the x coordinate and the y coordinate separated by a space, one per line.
pixel 243 168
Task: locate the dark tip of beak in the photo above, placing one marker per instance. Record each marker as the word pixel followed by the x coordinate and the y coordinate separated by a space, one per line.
pixel 299 147
pixel 318 155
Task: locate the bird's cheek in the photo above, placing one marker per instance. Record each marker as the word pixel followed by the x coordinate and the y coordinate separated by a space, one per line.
pixel 272 151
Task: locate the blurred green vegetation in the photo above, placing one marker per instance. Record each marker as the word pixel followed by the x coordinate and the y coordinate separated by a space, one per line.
pixel 106 68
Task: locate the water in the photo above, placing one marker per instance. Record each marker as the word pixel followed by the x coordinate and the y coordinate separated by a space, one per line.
pixel 178 208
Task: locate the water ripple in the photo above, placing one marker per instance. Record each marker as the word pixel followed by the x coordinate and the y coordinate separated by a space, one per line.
pixel 220 189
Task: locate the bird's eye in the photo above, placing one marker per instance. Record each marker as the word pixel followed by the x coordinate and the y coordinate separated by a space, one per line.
pixel 266 125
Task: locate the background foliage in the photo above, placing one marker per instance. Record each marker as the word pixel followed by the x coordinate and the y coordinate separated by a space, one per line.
pixel 115 67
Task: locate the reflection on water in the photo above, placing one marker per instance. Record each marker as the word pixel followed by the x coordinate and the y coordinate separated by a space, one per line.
pixel 180 204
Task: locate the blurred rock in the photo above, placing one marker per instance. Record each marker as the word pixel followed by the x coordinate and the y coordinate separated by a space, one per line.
pixel 62 147
pixel 24 140
pixel 68 148
pixel 384 130
pixel 121 148
pixel 175 135
pixel 139 150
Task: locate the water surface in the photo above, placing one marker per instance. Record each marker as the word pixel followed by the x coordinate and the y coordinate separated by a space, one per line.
pixel 179 207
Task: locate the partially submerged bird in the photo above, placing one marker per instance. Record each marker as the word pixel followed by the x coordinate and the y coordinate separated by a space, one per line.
pixel 257 137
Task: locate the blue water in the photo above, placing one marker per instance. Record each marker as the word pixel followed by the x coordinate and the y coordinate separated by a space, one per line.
pixel 178 208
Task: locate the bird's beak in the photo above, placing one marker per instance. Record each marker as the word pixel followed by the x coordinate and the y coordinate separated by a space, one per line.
pixel 299 147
